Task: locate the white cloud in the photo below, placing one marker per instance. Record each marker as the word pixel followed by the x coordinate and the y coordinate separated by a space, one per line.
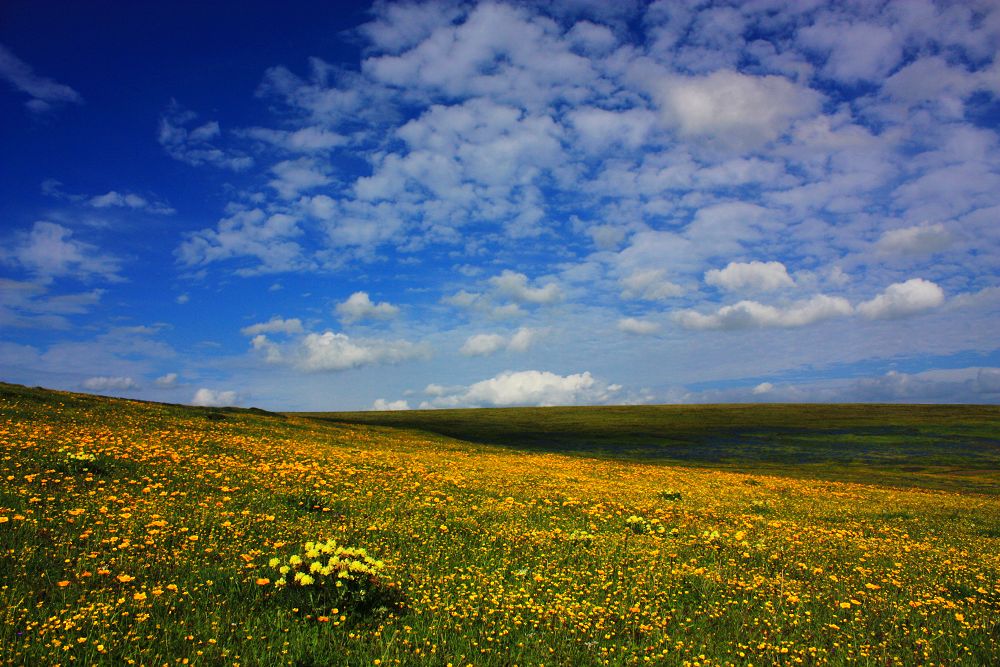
pixel 515 286
pixel 599 129
pixel 737 109
pixel 382 405
pixel 903 299
pixel 856 51
pixel 592 38
pixel 896 386
pixel 248 233
pixel 955 385
pixel 922 239
pixel 466 163
pixel 649 284
pixel 294 176
pixel 754 276
pixel 530 388
pixel 506 311
pixel 931 80
pixel 403 25
pixel 329 351
pixel 167 380
pixel 44 92
pixel 499 51
pixel 988 380
pixel 305 140
pixel 274 325
pixel 114 198
pixel 485 344
pixel 462 299
pixel 212 398
pixel 194 144
pixel 752 314
pixel 108 383
pixel 638 327
pixel 26 304
pixel 48 252
pixel 524 338
pixel 359 306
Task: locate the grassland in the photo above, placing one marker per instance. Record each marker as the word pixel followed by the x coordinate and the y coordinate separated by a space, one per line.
pixel 136 533
pixel 935 446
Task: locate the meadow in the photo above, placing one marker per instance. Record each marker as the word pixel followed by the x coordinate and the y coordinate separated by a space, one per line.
pixel 151 534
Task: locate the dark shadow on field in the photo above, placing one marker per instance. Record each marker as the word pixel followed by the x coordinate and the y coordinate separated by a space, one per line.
pixel 945 446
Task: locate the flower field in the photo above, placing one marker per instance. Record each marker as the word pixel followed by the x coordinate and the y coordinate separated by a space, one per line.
pixel 136 533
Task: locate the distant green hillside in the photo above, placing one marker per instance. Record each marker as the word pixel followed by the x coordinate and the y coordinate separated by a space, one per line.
pixel 938 446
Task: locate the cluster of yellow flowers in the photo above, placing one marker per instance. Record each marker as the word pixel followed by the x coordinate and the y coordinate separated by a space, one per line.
pixel 581 537
pixel 643 526
pixel 324 562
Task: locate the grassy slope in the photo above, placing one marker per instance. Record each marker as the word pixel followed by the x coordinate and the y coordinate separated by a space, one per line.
pixel 936 446
pixel 152 551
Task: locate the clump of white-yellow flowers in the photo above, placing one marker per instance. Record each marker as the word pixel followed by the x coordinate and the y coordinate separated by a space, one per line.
pixel 323 564
pixel 78 461
pixel 640 525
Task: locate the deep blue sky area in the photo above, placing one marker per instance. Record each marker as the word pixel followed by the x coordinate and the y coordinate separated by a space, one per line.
pixel 407 205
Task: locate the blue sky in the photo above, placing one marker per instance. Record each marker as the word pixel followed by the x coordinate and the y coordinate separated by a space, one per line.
pixel 443 204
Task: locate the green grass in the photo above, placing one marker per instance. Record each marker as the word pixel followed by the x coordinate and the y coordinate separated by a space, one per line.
pixel 497 551
pixel 935 446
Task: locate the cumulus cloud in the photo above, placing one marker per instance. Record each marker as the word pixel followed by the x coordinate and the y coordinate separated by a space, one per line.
pixel 599 129
pixel 753 314
pixel 754 276
pixel 382 405
pixel 957 385
pixel 524 388
pixel 738 109
pixel 294 176
pixel 305 140
pixel 331 352
pixel 274 325
pixel 988 380
pixel 110 383
pixel 500 50
pixel 402 25
pixel 194 144
pixel 29 304
pixel 359 306
pixel 248 233
pixel 960 385
pixel 462 299
pixel 922 239
pixel 855 51
pixel 514 285
pixel 167 380
pixel 44 92
pixel 212 398
pixel 486 344
pixel 483 344
pixel 48 251
pixel 638 327
pixel 650 285
pixel 113 198
pixel 903 299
